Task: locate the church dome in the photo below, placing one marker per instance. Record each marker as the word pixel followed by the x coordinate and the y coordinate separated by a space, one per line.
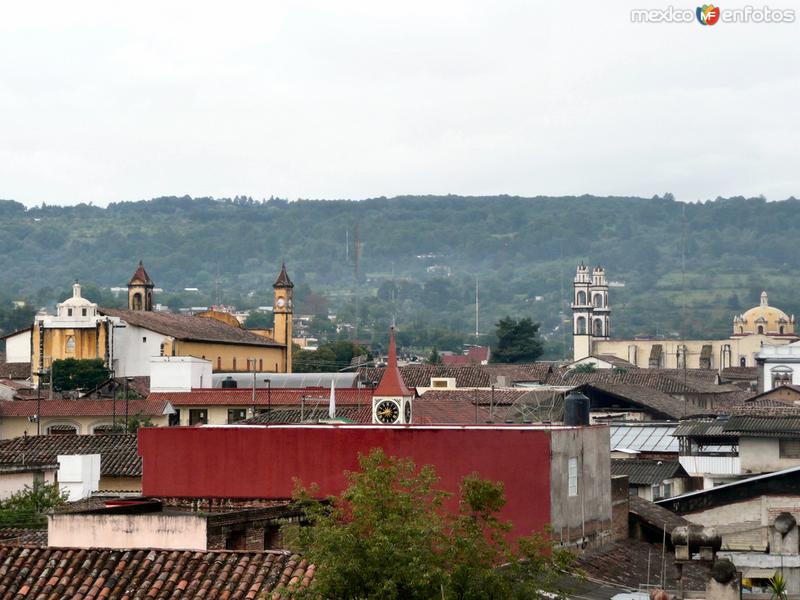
pixel 763 319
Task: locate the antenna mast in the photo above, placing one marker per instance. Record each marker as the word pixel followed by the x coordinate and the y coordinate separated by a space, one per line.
pixel 477 329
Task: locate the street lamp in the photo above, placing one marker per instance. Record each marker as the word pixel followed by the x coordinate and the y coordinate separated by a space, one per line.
pixel 269 395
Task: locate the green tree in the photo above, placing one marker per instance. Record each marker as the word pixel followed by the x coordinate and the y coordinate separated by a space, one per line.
pixel 390 536
pixel 434 358
pixel 27 507
pixel 517 341
pixel 78 374
pixel 259 320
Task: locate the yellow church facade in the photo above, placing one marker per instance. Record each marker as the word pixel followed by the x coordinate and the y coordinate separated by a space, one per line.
pixel 759 326
pixel 126 339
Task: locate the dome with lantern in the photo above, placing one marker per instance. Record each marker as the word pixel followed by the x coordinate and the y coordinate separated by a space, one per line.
pixel 764 320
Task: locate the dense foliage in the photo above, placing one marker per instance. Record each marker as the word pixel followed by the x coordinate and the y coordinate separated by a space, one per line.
pixel 393 535
pixel 27 508
pixel 517 341
pixel 334 356
pixel 419 259
pixel 78 374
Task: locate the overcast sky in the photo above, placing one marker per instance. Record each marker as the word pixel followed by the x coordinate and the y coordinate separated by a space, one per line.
pixel 108 101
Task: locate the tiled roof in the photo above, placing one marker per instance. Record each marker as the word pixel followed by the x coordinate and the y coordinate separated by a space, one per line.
pixel 141 275
pixel 766 407
pixel 739 373
pixel 159 574
pixel 655 515
pixel 17 536
pixel 190 328
pixel 482 396
pixel 631 563
pixel 357 414
pixel 471 376
pixel 15 370
pixel 475 355
pixel 661 404
pixel 668 381
pixel 616 361
pixel 118 452
pixel 264 397
pixel 454 411
pixel 703 428
pixel 784 426
pixel 646 472
pixel 82 408
pixel 139 384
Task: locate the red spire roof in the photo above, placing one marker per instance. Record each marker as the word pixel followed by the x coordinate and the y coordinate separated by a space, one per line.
pixel 283 280
pixel 392 383
pixel 141 275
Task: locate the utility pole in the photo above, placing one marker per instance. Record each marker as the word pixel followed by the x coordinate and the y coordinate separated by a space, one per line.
pixel 477 329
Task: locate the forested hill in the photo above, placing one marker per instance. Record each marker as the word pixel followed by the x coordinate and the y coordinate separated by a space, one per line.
pixel 431 247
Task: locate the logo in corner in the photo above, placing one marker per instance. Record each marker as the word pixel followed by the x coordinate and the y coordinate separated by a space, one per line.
pixel 708 14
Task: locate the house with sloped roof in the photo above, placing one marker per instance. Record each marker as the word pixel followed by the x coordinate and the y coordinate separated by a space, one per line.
pixel 652 479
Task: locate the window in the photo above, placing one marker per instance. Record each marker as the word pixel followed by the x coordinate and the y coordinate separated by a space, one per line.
pixel 581 298
pixel 161 350
pixel 598 327
pixel 198 416
pixel 261 364
pixel 790 448
pixel 761 329
pixel 69 312
pixel 144 339
pixel 580 327
pixel 781 376
pixel 62 430
pixel 743 362
pixel 655 492
pixel 234 363
pixel 219 363
pixel 597 300
pixel 780 330
pixel 175 419
pixel 236 414
pixel 70 345
pixel 83 312
pixel 667 489
pixel 572 477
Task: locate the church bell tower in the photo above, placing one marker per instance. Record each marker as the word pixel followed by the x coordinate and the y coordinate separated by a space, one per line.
pixel 581 314
pixel 283 309
pixel 140 290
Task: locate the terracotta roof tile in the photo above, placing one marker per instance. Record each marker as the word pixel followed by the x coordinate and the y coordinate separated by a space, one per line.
pixel 190 328
pixel 15 370
pixel 283 280
pixel 81 408
pixel 141 275
pixel 159 574
pixel 118 452
pixel 655 515
pixel 264 397
pixel 282 414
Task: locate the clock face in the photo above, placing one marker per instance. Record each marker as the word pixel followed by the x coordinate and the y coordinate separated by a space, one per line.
pixel 408 413
pixel 281 302
pixel 387 412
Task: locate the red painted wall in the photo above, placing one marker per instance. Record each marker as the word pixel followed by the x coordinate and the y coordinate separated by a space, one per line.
pixel 261 462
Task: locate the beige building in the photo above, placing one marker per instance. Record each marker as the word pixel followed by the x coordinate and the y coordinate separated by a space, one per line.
pixel 760 326
pixel 127 339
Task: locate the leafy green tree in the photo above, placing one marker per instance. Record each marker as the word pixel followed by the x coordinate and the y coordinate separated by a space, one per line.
pixel 78 374
pixel 517 341
pixel 585 368
pixel 259 320
pixel 434 358
pixel 27 507
pixel 390 536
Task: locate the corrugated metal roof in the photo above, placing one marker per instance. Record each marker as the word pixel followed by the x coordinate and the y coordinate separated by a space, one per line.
pixel 767 425
pixel 647 472
pixel 644 438
pixel 703 428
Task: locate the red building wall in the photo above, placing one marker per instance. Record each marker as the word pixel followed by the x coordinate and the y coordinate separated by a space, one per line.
pixel 262 462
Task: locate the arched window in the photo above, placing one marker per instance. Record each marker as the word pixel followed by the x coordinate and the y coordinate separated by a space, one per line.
pixel 597 300
pixel 781 376
pixel 598 327
pixel 581 298
pixel 137 301
pixel 780 330
pixel 580 327
pixel 741 329
pixel 761 329
pixel 70 345
pixel 742 362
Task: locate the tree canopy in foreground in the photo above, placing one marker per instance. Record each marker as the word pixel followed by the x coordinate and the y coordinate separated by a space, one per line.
pixel 389 536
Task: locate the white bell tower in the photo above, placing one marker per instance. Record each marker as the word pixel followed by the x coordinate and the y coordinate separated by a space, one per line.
pixel 598 291
pixel 581 314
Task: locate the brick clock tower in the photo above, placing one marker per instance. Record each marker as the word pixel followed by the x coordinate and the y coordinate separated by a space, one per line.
pixel 283 309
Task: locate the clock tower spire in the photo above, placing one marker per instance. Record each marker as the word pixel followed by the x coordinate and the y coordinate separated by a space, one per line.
pixel 391 401
pixel 283 309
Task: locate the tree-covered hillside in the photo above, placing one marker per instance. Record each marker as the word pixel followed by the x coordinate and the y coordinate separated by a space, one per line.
pixel 419 257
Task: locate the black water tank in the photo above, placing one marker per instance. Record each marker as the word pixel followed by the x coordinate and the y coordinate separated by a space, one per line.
pixel 576 409
pixel 229 382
